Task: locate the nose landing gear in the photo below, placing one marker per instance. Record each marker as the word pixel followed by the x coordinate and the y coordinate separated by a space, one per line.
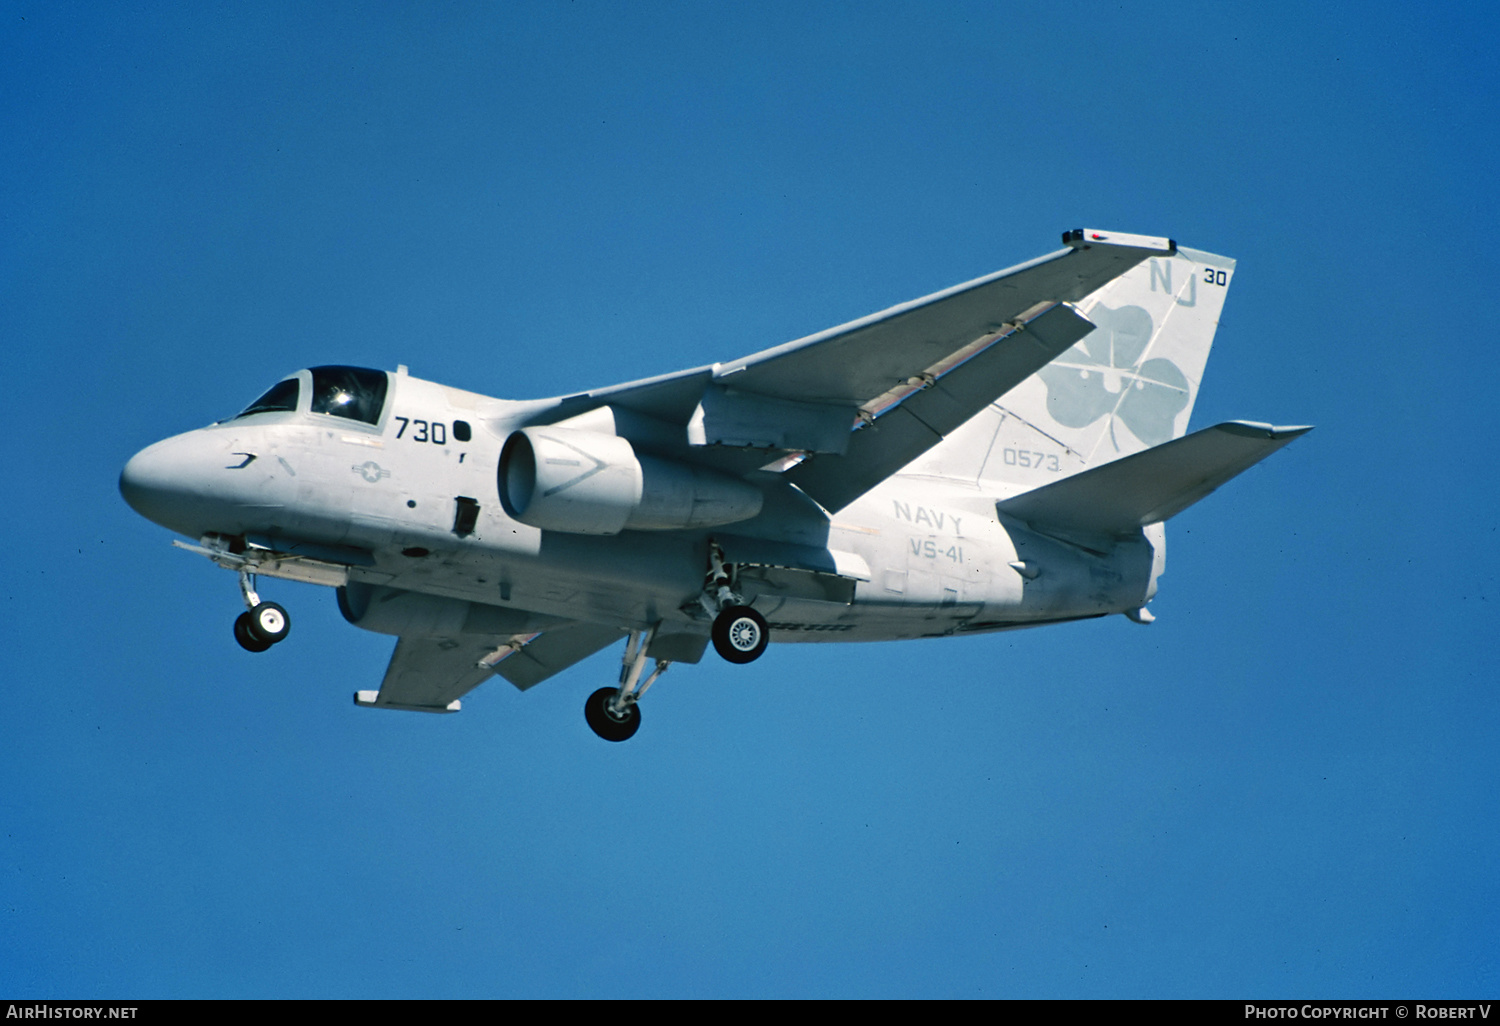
pixel 263 624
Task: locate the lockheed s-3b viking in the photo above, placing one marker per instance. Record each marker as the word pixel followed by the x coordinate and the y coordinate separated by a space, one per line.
pixel 1000 454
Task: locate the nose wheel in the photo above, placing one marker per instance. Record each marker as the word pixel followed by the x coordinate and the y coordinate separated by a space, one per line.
pixel 249 642
pixel 263 624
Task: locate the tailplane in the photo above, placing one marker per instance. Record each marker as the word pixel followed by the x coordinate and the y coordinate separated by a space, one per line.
pixel 1096 506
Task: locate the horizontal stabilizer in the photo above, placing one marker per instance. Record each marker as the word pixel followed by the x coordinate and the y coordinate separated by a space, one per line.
pixel 1121 497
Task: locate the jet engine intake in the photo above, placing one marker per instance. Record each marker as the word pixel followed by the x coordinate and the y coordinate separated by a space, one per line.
pixel 587 482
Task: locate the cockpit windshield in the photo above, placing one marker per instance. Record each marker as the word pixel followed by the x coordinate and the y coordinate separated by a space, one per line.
pixel 281 398
pixel 353 392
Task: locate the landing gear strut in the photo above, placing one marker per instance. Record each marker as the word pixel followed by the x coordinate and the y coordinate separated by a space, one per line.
pixel 613 713
pixel 263 624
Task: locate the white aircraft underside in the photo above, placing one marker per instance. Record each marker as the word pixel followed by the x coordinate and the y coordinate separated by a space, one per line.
pixel 1001 454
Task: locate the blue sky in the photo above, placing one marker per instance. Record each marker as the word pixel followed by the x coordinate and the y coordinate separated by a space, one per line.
pixel 1286 786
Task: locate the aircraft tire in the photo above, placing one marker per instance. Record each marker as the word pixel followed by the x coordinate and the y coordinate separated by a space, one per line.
pixel 605 723
pixel 269 623
pixel 248 641
pixel 740 634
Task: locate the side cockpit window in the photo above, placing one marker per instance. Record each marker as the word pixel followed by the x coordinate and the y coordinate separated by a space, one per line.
pixel 353 392
pixel 280 399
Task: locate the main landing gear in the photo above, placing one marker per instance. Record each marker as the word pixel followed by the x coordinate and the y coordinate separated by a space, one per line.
pixel 263 624
pixel 613 713
pixel 739 633
pixel 604 720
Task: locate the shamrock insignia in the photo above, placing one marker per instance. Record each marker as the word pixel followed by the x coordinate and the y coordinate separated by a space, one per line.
pixel 1103 374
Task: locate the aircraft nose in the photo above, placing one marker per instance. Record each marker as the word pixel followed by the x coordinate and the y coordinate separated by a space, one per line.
pixel 147 482
pixel 197 482
pixel 173 483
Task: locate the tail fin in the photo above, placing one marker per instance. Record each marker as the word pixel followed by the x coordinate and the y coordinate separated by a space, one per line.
pixel 1128 385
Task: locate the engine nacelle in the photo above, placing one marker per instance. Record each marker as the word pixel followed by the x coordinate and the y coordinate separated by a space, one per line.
pixel 588 482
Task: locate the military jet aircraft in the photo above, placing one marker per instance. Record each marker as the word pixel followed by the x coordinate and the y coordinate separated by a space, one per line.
pixel 1001 454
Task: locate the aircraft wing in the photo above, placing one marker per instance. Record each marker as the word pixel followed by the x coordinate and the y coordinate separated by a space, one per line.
pixel 868 397
pixel 856 362
pixel 556 650
pixel 432 674
pixel 911 423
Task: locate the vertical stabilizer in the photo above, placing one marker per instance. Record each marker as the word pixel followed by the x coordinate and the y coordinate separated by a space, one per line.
pixel 1127 386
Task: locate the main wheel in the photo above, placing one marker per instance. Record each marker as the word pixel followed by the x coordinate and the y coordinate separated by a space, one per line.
pixel 269 622
pixel 740 634
pixel 248 641
pixel 605 723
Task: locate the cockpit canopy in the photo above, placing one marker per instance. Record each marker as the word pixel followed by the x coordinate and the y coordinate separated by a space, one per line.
pixel 355 393
pixel 281 397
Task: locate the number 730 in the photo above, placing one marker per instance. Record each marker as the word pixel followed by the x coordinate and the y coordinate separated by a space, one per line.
pixel 421 431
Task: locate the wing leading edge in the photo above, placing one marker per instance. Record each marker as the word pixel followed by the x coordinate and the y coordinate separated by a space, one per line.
pixel 854 363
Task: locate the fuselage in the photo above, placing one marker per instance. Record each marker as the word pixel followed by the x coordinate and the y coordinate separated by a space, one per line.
pixel 399 491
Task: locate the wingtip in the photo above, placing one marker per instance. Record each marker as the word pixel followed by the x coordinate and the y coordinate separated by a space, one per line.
pixel 1084 238
pixel 1256 429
